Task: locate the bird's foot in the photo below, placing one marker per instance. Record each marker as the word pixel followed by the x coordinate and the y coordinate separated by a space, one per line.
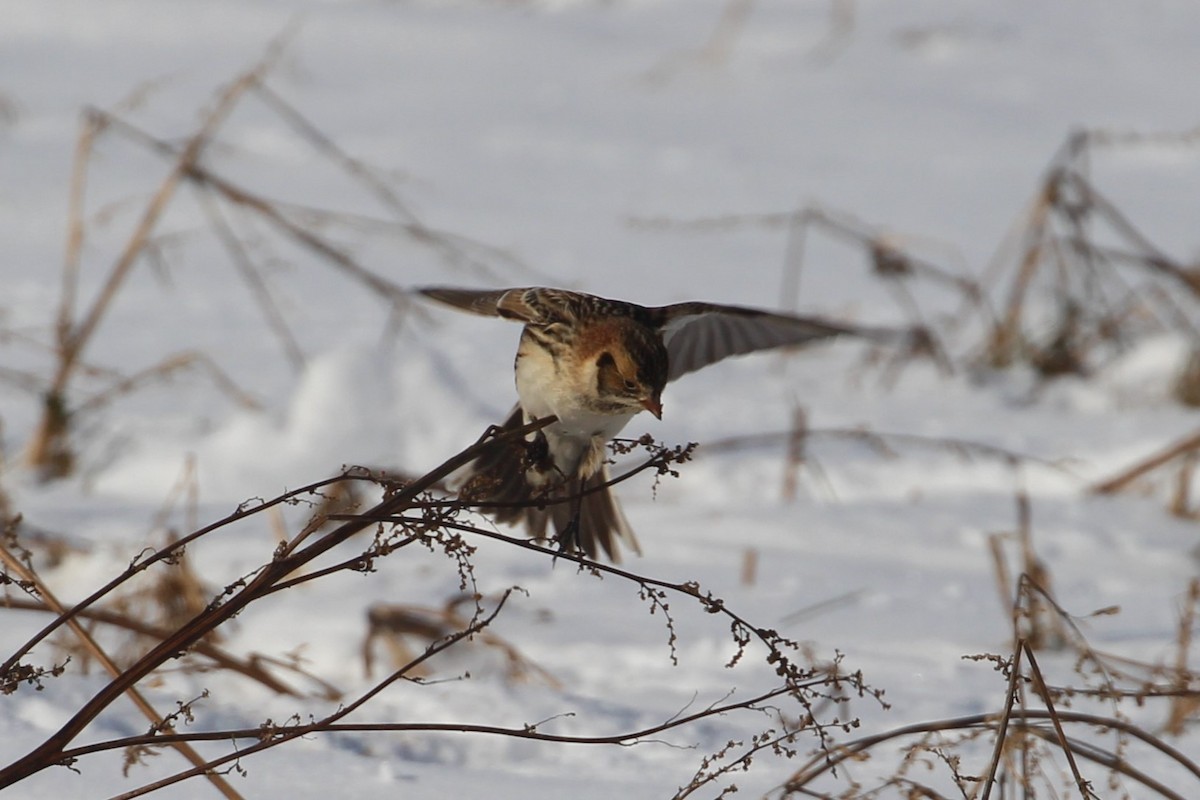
pixel 537 454
pixel 568 538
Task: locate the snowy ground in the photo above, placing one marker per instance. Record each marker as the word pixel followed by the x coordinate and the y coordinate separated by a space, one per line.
pixel 570 140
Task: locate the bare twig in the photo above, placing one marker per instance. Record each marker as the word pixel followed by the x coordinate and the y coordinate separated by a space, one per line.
pixel 1127 476
pixel 1014 674
pixel 1039 682
pixel 250 274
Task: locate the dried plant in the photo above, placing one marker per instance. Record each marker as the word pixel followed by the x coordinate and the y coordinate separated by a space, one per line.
pixel 1035 727
pixel 1185 705
pixel 49 450
pixel 408 515
pixel 230 211
pixel 1083 282
pixel 1174 464
pixel 1080 283
pixel 405 629
pixel 1040 626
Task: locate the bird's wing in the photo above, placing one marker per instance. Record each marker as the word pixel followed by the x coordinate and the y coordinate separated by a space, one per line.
pixel 699 334
pixel 475 301
pixel 527 305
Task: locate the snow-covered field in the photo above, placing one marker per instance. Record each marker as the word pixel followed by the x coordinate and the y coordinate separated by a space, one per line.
pixel 640 149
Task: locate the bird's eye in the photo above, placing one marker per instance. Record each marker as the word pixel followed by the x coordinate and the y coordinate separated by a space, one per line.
pixel 631 386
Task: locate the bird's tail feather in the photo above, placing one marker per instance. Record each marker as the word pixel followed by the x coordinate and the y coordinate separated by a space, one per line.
pixel 590 523
pixel 594 521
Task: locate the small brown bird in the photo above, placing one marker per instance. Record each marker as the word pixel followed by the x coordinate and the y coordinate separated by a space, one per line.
pixel 594 364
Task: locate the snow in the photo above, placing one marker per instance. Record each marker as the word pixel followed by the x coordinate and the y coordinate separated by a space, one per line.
pixel 595 146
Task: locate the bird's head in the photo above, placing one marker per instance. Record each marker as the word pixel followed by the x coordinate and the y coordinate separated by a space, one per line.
pixel 631 370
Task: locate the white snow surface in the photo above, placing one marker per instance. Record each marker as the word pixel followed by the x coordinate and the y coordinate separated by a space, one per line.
pixel 564 137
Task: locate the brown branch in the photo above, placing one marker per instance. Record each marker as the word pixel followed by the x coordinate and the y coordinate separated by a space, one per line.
pixel 270 736
pixel 244 593
pixel 1121 481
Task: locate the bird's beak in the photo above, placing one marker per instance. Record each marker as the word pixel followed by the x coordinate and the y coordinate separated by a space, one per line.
pixel 654 405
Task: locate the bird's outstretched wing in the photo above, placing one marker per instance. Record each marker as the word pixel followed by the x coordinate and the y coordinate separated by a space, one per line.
pixel 699 334
pixel 695 334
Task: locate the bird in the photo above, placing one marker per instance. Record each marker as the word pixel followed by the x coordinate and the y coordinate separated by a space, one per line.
pixel 594 364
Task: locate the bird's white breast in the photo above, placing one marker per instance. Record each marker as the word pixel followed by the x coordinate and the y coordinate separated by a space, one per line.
pixel 546 387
